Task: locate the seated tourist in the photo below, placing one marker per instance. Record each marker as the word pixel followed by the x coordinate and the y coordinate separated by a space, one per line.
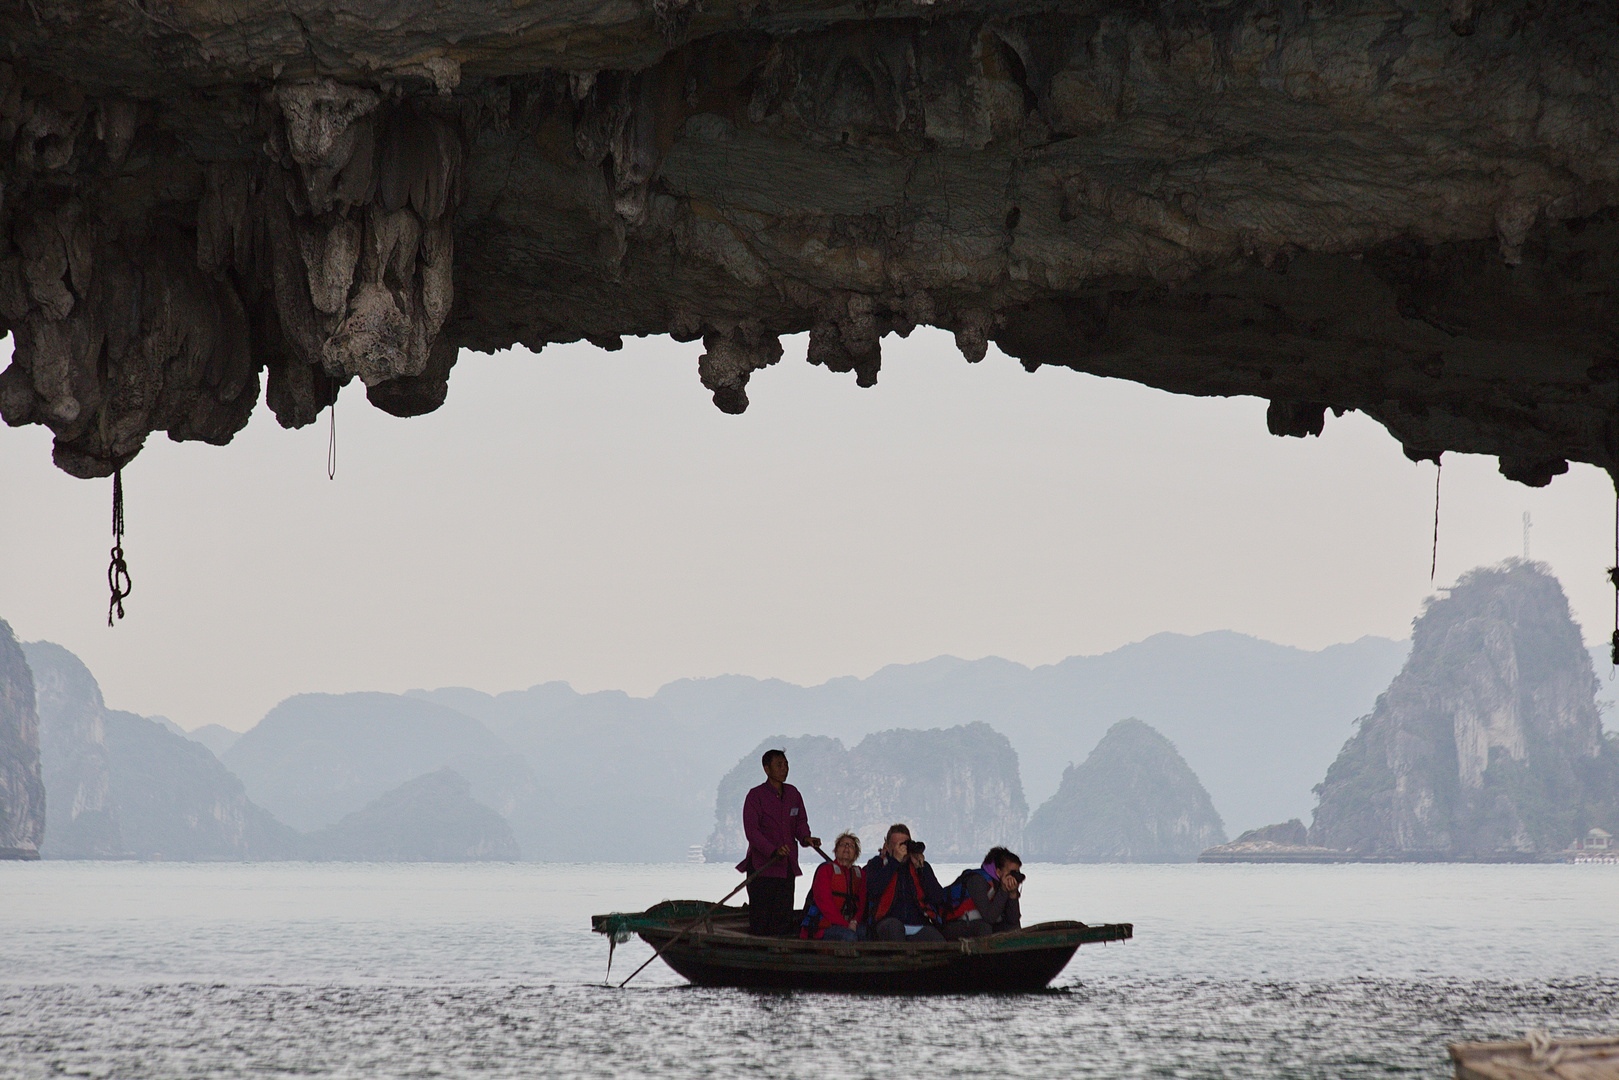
pixel 984 900
pixel 837 899
pixel 902 894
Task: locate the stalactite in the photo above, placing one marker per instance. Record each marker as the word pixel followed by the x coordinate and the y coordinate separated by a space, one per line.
pixel 730 356
pixel 1321 209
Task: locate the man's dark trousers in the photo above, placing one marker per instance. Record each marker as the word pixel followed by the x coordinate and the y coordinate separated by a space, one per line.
pixel 770 906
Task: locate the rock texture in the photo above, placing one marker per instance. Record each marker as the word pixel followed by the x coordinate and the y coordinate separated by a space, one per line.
pixel 1134 799
pixel 432 818
pixel 957 788
pixel 22 791
pixel 1488 741
pixel 174 800
pixel 81 821
pixel 1412 211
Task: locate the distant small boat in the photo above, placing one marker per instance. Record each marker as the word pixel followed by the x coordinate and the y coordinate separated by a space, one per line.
pixel 695 854
pixel 720 952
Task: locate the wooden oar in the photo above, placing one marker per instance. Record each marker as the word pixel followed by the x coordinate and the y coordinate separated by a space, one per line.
pixel 745 883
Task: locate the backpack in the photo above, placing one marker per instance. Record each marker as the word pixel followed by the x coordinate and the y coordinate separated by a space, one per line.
pixel 957 901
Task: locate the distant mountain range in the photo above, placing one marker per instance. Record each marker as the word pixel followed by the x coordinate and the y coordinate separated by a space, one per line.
pixel 1225 728
pixel 1257 722
pixel 607 776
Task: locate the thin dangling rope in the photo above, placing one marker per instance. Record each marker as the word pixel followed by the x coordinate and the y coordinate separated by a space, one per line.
pixel 331 446
pixel 1613 576
pixel 117 570
pixel 1433 567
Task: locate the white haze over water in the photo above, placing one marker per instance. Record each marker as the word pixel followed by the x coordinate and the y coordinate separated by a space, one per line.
pixel 160 970
pixel 591 517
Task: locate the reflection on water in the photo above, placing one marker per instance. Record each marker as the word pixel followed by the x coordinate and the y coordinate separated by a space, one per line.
pixel 129 970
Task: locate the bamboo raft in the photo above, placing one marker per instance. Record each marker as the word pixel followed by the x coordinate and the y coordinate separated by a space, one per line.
pixel 720 952
pixel 1538 1057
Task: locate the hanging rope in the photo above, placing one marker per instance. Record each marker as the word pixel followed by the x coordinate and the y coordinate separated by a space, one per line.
pixel 117 570
pixel 1433 567
pixel 1613 576
pixel 331 446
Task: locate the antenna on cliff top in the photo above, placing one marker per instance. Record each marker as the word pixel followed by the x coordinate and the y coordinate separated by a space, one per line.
pixel 1526 524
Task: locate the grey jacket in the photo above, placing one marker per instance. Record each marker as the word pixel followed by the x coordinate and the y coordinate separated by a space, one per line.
pixel 1001 911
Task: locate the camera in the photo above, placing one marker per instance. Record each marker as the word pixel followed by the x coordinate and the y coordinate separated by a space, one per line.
pixel 915 847
pixel 1018 876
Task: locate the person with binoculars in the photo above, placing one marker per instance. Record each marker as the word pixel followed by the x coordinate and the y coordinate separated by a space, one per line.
pixel 905 897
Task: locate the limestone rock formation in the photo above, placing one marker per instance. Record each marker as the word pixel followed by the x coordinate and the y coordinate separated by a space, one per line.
pixel 432 818
pixel 1410 211
pixel 1134 799
pixel 120 785
pixel 316 757
pixel 1291 832
pixel 1288 842
pixel 616 778
pixel 174 800
pixel 956 788
pixel 81 821
pixel 1488 741
pixel 22 791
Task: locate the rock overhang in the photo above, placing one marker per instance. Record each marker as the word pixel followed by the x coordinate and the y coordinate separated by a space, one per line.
pixel 1413 212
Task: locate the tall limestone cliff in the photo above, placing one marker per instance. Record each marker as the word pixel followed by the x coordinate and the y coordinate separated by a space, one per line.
pixel 1488 741
pixel 956 788
pixel 121 785
pixel 22 790
pixel 1134 799
pixel 80 822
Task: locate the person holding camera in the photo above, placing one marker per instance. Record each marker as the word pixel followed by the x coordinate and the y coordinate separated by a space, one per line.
pixel 905 895
pixel 985 900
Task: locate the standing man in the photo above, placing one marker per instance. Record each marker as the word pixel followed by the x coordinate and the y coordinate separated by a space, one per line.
pixel 774 820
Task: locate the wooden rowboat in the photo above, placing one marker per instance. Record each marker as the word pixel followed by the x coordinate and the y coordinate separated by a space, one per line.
pixel 720 952
pixel 1538 1057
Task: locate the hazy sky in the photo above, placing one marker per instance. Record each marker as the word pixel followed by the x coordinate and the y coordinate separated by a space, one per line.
pixel 592 517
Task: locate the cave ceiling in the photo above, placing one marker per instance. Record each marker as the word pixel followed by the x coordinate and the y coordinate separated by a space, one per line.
pixel 1410 209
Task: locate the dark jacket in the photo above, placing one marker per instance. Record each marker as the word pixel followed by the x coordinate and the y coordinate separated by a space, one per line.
pixel 906 904
pixel 1000 910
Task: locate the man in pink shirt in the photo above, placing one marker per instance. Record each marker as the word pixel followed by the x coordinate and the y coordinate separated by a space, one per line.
pixel 773 818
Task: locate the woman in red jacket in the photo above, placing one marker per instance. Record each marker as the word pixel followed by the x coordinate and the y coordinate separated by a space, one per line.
pixel 837 898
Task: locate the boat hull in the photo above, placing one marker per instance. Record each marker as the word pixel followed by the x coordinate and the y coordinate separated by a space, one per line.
pixel 718 954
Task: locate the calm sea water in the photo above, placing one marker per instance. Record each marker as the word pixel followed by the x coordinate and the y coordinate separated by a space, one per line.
pixel 126 970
